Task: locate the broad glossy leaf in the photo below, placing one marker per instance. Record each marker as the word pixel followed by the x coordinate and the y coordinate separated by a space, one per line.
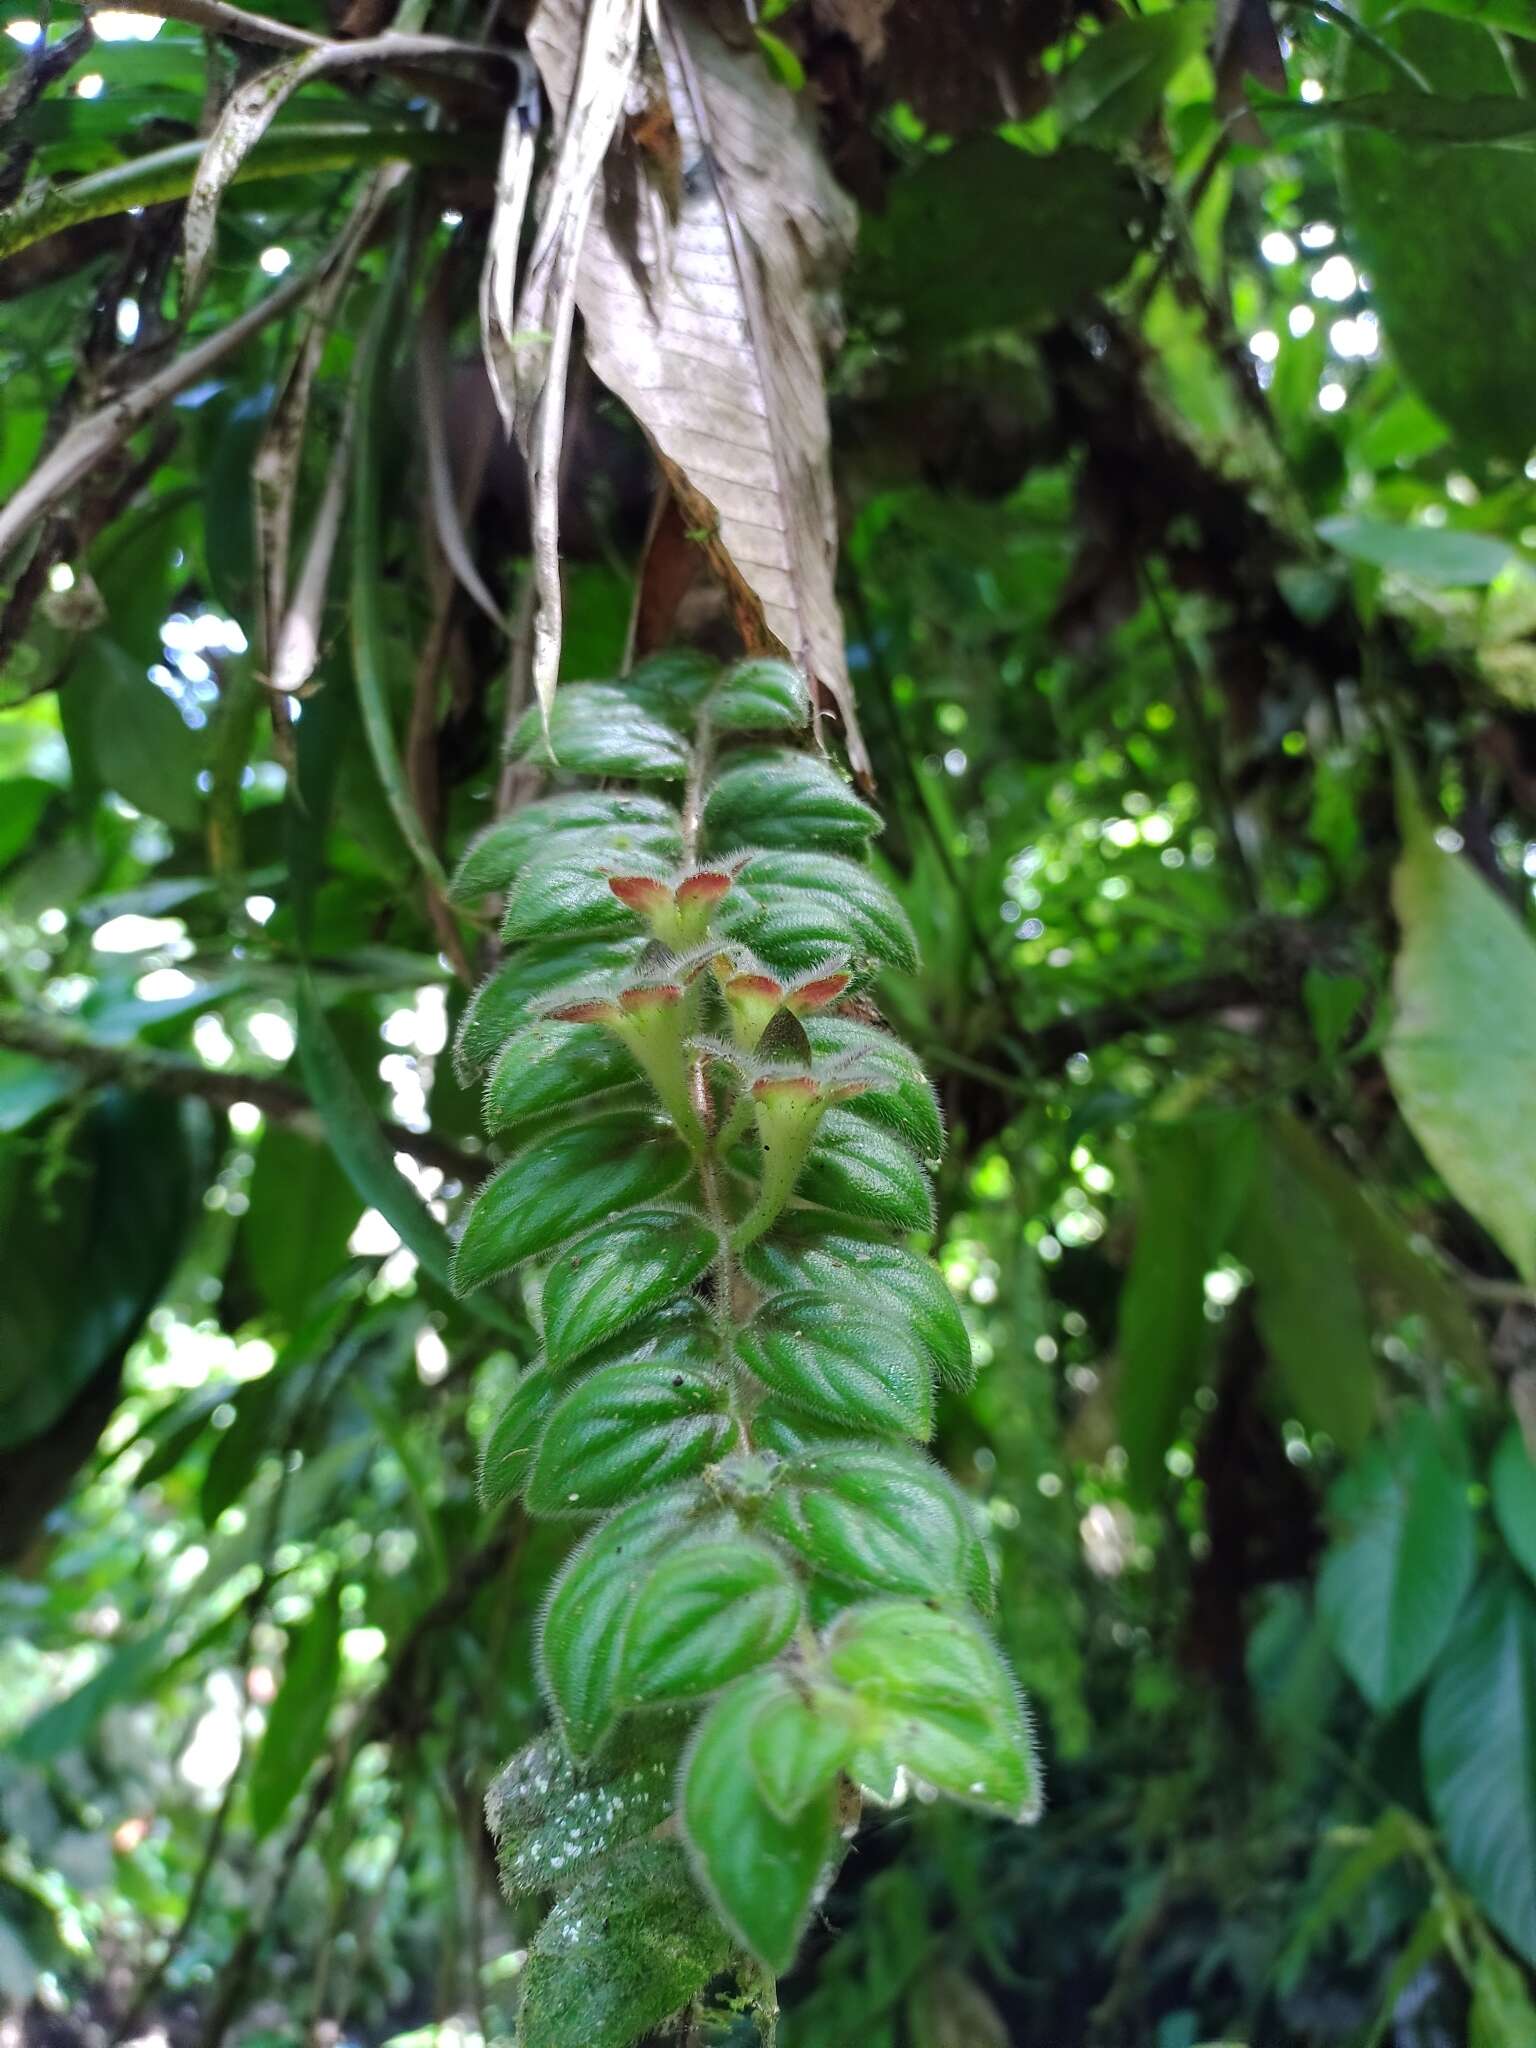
pixel 628 821
pixel 559 1184
pixel 501 1003
pixel 507 1455
pixel 1399 1567
pixel 555 899
pixel 1462 1055
pixel 947 1705
pixel 297 1724
pixel 628 1429
pixel 1475 373
pixel 761 695
pixel 1478 1741
pixel 1310 1312
pixel 798 1740
pixel 141 745
pixel 600 729
pixel 886 1277
pixel 879 1517
pixel 859 1170
pixel 759 1870
pixel 902 1097
pixel 795 908
pixel 548 1066
pixel 619 1272
pixel 830 1354
pixel 786 800
pixel 627 1947
pixel 706 1613
pixel 581 1632
pixel 1512 1482
pixel 1194 1180
pixel 1437 555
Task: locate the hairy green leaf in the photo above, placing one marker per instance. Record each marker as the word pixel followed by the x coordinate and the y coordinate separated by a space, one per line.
pixel 759 1870
pixel 627 823
pixel 628 1429
pixel 618 1272
pixel 879 1517
pixel 599 729
pixel 794 909
pixel 760 695
pixel 799 1738
pixel 501 1003
pixel 548 1066
pixel 859 1170
pixel 507 1455
pixel 581 1632
pixel 943 1703
pixel 786 800
pixel 560 1183
pixel 704 1614
pixel 885 1277
pixel 829 1354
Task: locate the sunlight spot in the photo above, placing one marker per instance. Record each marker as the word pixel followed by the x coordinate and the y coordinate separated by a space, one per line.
pixel 1331 398
pixel 244 1119
pixel 127 319
pixel 373 1237
pixel 1265 344
pixel 1319 234
pixel 91 87
pixel 214 1045
pixel 123 25
pixel 1277 248
pixel 431 1356
pixel 131 933
pixel 259 908
pixel 274 261
pixel 1355 338
pixel 61 577
pixel 24 32
pixel 1301 320
pixel 163 985
pixel 1335 280
pixel 272 1033
pixel 1311 90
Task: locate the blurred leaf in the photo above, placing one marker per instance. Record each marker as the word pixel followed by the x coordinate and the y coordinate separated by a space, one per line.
pixel 302 1211
pixel 1194 1181
pixel 988 237
pixel 1393 1582
pixel 296 1726
pixel 1476 372
pixel 1109 93
pixel 1512 1482
pixel 1479 1753
pixel 1310 1312
pixel 1429 554
pixel 139 743
pixel 1461 1056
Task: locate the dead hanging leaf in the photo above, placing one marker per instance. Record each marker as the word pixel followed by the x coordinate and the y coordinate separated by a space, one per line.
pixel 275 469
pixel 442 497
pixel 295 642
pixel 251 109
pixel 705 326
pixel 529 353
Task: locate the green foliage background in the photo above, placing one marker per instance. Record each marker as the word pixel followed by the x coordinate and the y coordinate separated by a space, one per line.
pixel 1186 482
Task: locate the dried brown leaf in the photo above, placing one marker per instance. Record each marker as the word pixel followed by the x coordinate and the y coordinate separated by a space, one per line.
pixel 717 353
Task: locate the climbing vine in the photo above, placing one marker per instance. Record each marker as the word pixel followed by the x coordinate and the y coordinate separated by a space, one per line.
pixel 721 1159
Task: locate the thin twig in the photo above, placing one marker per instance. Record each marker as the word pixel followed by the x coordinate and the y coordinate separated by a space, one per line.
pixel 221 19
pixel 167 1073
